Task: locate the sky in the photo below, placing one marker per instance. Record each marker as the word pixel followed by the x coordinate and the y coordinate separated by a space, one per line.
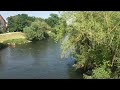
pixel 42 14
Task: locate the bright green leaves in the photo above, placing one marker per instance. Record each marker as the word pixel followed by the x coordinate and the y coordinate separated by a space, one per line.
pixel 95 39
pixel 18 22
pixel 37 30
pixel 53 20
pixel 101 73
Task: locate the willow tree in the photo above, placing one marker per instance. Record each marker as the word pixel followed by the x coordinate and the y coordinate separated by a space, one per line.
pixel 94 40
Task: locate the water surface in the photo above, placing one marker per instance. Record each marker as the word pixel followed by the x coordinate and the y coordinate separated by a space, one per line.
pixel 38 60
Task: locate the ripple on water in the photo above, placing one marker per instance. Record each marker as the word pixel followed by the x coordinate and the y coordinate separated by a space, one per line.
pixel 35 60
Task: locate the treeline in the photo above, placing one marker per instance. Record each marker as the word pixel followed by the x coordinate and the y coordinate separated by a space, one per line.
pixel 34 28
pixel 18 22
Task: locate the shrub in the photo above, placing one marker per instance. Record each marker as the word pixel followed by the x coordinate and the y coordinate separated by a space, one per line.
pixel 37 30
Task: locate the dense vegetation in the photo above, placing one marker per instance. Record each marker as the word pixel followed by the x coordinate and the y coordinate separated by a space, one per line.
pixel 37 30
pixel 93 37
pixel 58 26
pixel 52 20
pixel 34 28
pixel 18 22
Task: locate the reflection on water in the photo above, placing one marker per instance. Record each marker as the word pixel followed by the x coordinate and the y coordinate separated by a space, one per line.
pixel 38 60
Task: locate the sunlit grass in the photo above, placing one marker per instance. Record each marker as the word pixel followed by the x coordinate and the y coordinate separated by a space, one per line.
pixel 12 35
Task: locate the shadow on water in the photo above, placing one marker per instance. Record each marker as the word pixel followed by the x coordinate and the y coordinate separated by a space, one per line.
pixel 36 60
pixel 73 74
pixel 2 46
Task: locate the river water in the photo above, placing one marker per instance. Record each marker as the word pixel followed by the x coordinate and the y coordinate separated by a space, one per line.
pixel 37 60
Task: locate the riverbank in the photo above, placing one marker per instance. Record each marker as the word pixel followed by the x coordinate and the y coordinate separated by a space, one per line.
pixel 11 35
pixel 12 38
pixel 2 46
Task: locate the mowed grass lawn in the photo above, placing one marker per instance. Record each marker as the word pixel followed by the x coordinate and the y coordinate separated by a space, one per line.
pixel 11 35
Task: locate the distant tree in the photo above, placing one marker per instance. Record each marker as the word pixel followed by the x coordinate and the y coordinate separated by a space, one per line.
pixel 52 20
pixel 37 30
pixel 19 21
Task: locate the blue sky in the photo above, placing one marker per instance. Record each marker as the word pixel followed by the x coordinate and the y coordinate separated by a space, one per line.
pixel 42 14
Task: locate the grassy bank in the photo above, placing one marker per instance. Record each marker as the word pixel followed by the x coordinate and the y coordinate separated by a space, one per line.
pixel 16 41
pixel 13 37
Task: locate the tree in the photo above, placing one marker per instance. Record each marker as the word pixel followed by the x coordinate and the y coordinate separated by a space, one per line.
pixel 18 22
pixel 60 29
pixel 52 20
pixel 58 26
pixel 37 30
pixel 93 38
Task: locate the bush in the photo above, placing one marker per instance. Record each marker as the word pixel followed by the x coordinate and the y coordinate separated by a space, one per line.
pixel 101 73
pixel 37 30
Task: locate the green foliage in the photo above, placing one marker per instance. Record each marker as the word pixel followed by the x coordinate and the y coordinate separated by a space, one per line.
pixel 93 38
pixel 37 30
pixel 58 26
pixel 19 21
pixel 101 73
pixel 52 20
pixel 59 30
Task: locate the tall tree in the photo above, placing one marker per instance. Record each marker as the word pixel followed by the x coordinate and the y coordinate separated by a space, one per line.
pixel 19 21
pixel 93 38
pixel 52 20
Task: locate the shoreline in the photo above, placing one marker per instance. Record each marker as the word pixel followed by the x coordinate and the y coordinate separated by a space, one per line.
pixel 12 38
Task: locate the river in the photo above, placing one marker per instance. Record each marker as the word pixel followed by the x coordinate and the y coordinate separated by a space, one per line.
pixel 36 60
